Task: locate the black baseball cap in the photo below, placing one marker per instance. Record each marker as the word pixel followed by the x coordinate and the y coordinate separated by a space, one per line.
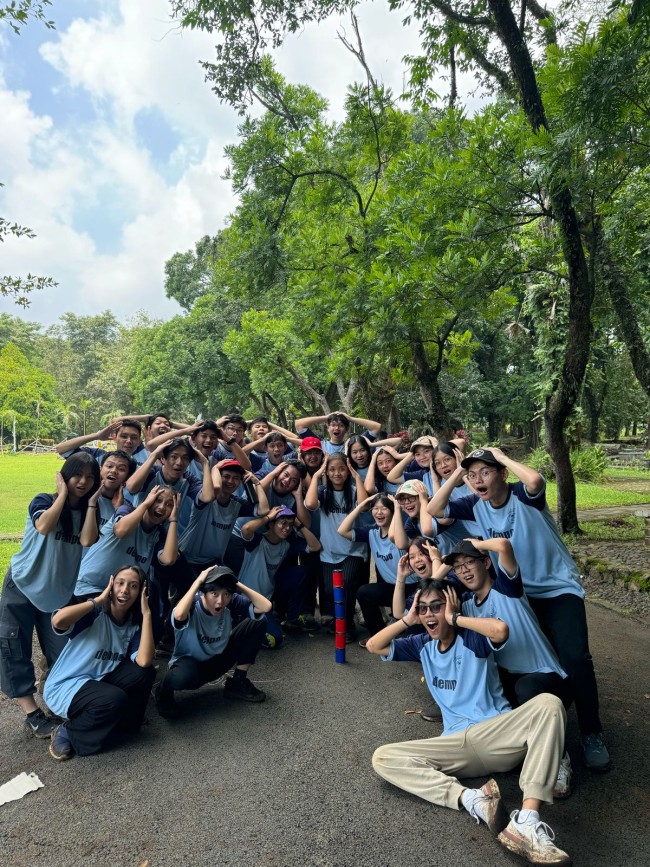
pixel 484 455
pixel 220 577
pixel 462 548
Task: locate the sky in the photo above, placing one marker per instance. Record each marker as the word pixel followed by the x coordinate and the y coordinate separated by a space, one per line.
pixel 112 145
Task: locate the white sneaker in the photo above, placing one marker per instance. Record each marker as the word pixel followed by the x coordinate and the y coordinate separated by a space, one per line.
pixel 533 840
pixel 486 806
pixel 564 782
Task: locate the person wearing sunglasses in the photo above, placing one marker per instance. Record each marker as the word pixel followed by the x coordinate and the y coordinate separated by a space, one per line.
pixel 518 511
pixel 481 734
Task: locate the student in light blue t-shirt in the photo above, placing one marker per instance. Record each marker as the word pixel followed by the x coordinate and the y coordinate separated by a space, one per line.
pixel 481 733
pixel 519 512
pixel 383 460
pixel 217 624
pixel 41 578
pixel 101 681
pixel 386 555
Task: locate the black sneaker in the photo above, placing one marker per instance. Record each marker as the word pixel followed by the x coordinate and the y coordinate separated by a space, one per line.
pixel 302 623
pixel 166 705
pixel 39 725
pixel 61 747
pixel 242 688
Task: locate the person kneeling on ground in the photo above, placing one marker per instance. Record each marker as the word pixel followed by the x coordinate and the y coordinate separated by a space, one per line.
pixel 206 644
pixel 481 733
pixel 101 681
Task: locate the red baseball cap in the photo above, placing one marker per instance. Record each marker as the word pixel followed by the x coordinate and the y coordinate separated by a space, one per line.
pixel 234 465
pixel 311 443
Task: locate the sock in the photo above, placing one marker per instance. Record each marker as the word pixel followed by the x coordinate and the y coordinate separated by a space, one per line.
pixel 526 816
pixel 239 674
pixel 468 797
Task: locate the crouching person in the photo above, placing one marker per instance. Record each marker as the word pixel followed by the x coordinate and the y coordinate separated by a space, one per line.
pixel 481 733
pixel 102 680
pixel 207 644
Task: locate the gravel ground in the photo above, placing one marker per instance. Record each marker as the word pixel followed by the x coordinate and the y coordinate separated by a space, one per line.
pixel 609 585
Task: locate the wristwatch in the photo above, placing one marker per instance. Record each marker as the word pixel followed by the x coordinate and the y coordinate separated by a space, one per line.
pixel 454 618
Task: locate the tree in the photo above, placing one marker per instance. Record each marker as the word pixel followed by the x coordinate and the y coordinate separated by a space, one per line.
pixel 29 394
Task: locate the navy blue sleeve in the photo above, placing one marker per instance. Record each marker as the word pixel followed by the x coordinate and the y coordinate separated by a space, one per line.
pixel 369 435
pixel 462 508
pixel 478 644
pixel 518 490
pixel 195 486
pixel 408 649
pixel 411 529
pixel 246 509
pixel 124 509
pixel 512 587
pixel 41 503
pixel 415 474
pixel 307 432
pixel 256 461
pixel 86 621
pixel 362 534
pixel 134 644
pixel 321 494
pixel 239 606
pixel 252 544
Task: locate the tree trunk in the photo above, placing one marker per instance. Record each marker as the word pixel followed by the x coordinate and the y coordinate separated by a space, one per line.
pixel 534 428
pixel 427 379
pixel 567 518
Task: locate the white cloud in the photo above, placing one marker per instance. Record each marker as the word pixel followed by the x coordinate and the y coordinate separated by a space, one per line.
pixel 57 173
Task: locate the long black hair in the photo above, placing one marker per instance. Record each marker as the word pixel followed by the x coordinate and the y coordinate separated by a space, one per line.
pixel 330 503
pixel 135 611
pixel 74 466
pixel 357 439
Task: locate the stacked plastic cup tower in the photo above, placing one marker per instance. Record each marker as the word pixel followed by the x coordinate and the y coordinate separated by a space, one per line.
pixel 339 614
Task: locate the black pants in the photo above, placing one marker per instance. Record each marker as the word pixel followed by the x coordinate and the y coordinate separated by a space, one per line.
pixel 520 688
pixel 189 673
pixel 564 622
pixel 104 710
pixel 353 577
pixel 169 585
pixel 310 560
pixel 371 598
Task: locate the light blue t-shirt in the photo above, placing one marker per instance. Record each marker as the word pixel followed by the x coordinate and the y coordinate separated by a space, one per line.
pixel 463 679
pixel 546 566
pixel 97 645
pixel 335 548
pixel 527 649
pixel 110 553
pixel 261 563
pixel 385 554
pixel 45 569
pixel 202 635
pixel 210 528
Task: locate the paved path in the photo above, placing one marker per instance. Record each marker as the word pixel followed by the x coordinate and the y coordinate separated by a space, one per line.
pixel 288 783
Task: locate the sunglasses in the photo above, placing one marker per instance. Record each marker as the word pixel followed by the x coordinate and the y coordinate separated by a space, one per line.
pixel 433 607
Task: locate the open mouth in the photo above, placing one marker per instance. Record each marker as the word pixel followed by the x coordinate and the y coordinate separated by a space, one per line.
pixel 432 624
pixel 481 490
pixel 419 568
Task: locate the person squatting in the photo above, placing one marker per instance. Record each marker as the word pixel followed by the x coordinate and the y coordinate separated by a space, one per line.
pixel 204 543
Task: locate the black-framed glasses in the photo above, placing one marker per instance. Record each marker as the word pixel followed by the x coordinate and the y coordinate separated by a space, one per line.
pixel 433 607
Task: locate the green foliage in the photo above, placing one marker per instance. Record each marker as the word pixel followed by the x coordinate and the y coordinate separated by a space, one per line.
pixel 28 394
pixel 589 464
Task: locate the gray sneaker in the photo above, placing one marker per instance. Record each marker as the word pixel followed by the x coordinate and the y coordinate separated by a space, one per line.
pixel 564 782
pixel 532 841
pixel 595 753
pixel 487 807
pixel 39 725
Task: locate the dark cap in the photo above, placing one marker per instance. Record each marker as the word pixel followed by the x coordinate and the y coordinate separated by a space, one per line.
pixel 220 577
pixel 465 548
pixel 285 512
pixel 484 455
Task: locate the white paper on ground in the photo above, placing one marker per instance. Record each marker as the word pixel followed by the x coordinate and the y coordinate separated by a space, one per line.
pixel 20 786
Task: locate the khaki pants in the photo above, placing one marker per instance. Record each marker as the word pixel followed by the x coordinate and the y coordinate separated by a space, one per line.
pixel 532 733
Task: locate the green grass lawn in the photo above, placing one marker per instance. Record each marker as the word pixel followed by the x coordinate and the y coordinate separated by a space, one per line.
pixel 21 478
pixel 613 473
pixel 598 496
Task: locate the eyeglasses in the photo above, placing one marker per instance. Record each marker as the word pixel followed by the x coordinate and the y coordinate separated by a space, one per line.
pixel 433 607
pixel 465 566
pixel 482 474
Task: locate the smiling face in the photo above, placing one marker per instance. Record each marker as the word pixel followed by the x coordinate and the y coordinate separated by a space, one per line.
pixel 410 504
pixel 206 441
pixel 259 429
pixel 230 481
pixel 287 481
pixel 423 455
pixel 283 527
pixel 359 455
pixel 128 439
pixel 175 464
pixel 489 482
pixel 161 508
pixel 312 459
pixel 337 472
pixel 433 620
pixel 114 473
pixel 125 592
pixel 215 601
pixel 158 426
pixel 420 562
pixel 382 514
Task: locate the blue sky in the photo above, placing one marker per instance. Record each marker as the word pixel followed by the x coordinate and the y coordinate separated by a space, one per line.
pixel 111 144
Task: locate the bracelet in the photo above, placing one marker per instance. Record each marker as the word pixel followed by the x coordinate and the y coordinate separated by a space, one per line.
pixel 454 617
pixel 91 507
pixel 173 521
pixel 408 625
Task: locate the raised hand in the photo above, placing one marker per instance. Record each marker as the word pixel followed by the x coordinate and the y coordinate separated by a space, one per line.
pixel 413 618
pixel 452 604
pixel 61 486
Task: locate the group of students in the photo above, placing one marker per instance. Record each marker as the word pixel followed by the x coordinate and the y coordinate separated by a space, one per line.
pixel 199 544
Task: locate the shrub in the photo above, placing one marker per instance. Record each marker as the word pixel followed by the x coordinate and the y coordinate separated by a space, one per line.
pixel 540 460
pixel 588 463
